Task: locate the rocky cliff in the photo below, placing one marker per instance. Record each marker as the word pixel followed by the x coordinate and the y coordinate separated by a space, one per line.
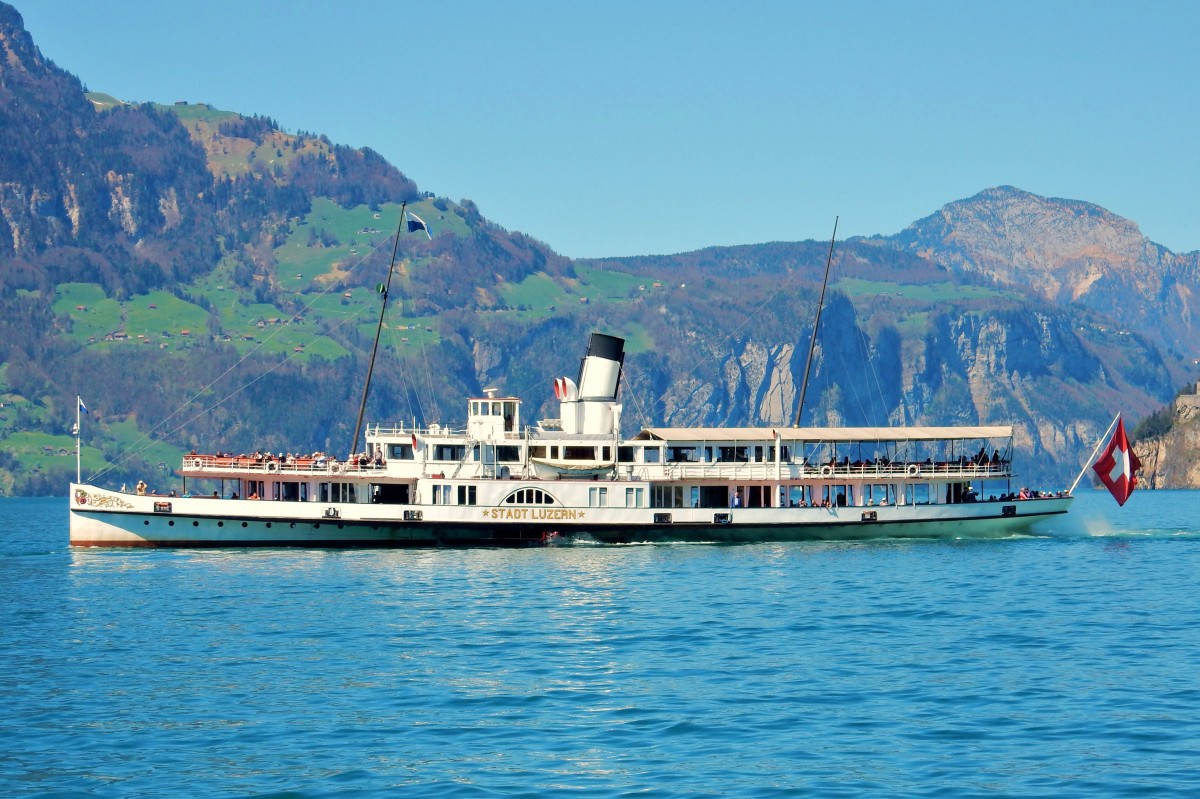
pixel 1172 459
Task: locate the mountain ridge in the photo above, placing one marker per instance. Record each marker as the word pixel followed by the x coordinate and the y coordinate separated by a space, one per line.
pixel 158 249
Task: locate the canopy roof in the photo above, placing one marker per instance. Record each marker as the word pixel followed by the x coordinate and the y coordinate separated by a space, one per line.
pixel 823 434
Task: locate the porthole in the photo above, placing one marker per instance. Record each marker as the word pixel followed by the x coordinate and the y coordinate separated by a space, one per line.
pixel 145 521
pixel 195 524
pixel 171 523
pixel 220 524
pixel 243 524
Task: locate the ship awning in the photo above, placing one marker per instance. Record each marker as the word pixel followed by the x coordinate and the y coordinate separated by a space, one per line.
pixel 824 434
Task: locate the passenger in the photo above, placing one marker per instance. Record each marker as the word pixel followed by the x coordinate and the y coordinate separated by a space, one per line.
pixel 141 488
pixel 233 495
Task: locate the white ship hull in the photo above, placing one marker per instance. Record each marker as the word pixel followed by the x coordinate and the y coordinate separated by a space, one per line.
pixel 111 519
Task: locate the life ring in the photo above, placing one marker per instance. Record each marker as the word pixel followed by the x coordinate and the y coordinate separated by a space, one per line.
pixel 272 466
pixel 913 470
pixel 336 468
pixel 196 463
pixel 826 471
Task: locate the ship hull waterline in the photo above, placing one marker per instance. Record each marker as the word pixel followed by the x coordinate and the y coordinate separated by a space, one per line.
pixel 189 524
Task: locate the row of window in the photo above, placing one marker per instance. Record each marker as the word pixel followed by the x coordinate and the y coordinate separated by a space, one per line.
pixel 661 496
pixel 508 453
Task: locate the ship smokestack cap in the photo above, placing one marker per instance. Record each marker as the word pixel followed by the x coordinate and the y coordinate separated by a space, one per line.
pixel 608 347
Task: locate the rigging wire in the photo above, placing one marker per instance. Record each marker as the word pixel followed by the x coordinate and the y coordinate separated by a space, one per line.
pixel 151 438
pixel 129 453
pixel 714 351
pixel 719 348
pixel 430 399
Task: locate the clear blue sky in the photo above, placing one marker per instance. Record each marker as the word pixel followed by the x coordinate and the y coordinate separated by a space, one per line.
pixel 622 128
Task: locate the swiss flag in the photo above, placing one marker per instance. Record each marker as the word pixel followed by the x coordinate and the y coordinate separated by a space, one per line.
pixel 1117 466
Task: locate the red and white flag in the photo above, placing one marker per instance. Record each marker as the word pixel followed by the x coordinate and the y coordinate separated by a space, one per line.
pixel 1117 466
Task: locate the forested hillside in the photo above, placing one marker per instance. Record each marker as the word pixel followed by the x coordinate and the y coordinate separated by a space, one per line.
pixel 207 280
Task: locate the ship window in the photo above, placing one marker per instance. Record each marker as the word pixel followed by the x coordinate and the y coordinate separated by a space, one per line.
pixel 732 455
pixel 625 454
pixel 340 492
pixel 508 454
pixel 400 452
pixel 597 496
pixel 389 494
pixel 579 453
pixel 635 497
pixel 537 452
pixel 651 455
pixel 529 496
pixel 682 454
pixel 669 496
pixel 449 452
pixel 466 495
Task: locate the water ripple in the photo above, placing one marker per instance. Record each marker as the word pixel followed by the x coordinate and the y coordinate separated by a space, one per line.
pixel 1034 667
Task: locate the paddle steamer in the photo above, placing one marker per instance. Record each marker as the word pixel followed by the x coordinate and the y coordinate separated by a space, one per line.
pixel 499 481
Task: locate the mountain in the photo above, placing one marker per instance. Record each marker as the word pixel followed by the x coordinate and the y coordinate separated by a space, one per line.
pixel 207 280
pixel 1072 253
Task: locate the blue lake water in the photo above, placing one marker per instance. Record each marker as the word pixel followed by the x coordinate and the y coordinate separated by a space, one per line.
pixel 1058 666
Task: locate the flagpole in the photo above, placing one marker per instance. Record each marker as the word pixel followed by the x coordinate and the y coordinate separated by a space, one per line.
pixel 78 468
pixel 378 329
pixel 1091 458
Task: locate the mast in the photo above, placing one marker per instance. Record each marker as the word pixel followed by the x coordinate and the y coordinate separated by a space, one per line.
pixel 812 343
pixel 383 289
pixel 76 431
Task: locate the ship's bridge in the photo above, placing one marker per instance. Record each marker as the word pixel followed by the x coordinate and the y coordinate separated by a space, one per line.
pixel 493 418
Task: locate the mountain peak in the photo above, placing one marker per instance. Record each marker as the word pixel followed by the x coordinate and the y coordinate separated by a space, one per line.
pixel 1017 236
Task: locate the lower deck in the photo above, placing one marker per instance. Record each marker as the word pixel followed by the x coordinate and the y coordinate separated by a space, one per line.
pixel 102 518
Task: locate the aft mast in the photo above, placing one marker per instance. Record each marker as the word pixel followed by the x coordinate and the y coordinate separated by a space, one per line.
pixel 812 342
